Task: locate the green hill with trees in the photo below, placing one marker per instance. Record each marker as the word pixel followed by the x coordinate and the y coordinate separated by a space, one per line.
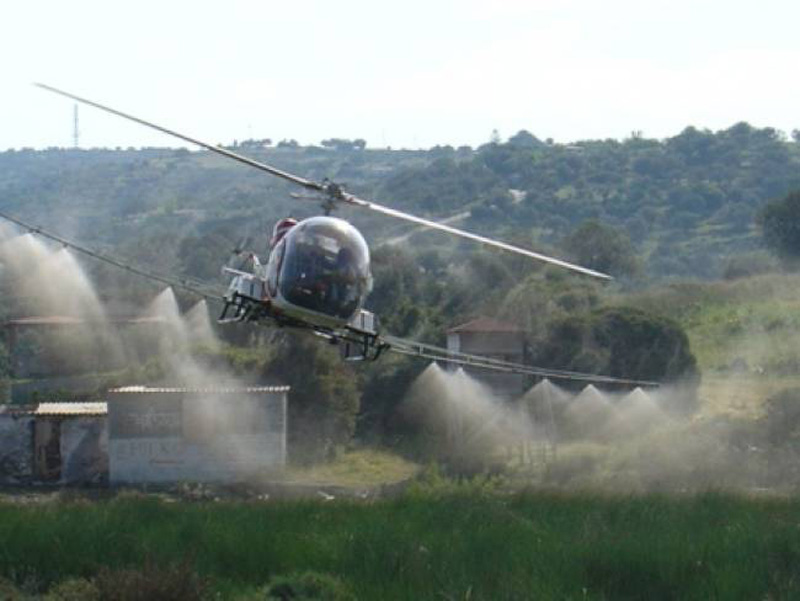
pixel 687 203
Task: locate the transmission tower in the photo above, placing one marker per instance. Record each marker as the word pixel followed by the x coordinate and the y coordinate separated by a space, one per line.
pixel 75 131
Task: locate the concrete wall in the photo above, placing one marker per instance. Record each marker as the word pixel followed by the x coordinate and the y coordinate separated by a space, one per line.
pixel 84 450
pixel 205 437
pixel 16 449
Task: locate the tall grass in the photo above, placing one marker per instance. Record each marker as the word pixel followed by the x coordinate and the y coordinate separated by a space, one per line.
pixel 429 545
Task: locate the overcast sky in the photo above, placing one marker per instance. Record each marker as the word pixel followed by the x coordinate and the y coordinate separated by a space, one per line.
pixel 404 74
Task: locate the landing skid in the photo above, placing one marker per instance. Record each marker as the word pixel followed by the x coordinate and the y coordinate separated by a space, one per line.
pixel 355 343
pixel 241 308
pixel 360 346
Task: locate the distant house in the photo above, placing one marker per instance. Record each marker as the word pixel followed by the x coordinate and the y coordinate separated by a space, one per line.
pixel 495 339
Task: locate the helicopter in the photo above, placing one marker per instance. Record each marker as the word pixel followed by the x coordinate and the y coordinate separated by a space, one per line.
pixel 317 275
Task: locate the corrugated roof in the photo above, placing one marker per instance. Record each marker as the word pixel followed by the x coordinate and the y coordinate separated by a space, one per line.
pixel 485 324
pixel 17 409
pixel 249 389
pixel 71 409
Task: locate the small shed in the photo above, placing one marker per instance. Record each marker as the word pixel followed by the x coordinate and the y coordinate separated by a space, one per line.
pixel 71 442
pixel 56 443
pixel 495 339
pixel 163 435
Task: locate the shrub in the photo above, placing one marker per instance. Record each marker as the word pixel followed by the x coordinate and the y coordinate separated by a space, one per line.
pixel 783 417
pixel 177 582
pixel 74 589
pixel 8 591
pixel 625 342
pixel 307 586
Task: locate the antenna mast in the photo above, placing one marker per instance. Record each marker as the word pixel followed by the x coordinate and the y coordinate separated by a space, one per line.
pixel 75 130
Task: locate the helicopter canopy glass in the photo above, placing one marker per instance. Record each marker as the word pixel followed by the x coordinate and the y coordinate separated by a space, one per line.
pixel 325 267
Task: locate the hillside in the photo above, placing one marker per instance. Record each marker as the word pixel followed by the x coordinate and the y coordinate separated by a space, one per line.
pixel 686 202
pixel 743 332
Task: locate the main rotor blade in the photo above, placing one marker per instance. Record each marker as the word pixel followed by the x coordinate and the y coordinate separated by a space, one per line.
pixel 334 192
pixel 470 236
pixel 213 148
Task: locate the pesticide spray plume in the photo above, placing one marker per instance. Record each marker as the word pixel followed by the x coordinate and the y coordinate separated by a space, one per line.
pixel 175 336
pixel 464 424
pixel 53 292
pixel 180 337
pixel 198 323
pixel 595 440
pixel 49 284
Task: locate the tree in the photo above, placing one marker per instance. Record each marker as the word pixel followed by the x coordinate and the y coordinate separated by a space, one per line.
pixel 525 139
pixel 780 228
pixel 201 256
pixel 386 384
pixel 602 247
pixel 624 342
pixel 324 398
pixel 342 144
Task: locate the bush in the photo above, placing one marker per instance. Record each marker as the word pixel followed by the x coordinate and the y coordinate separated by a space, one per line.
pixel 435 482
pixel 178 582
pixel 8 591
pixel 783 417
pixel 744 266
pixel 308 586
pixel 778 221
pixel 623 342
pixel 74 589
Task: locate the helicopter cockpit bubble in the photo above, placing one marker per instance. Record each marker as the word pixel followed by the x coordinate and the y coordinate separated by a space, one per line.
pixel 325 267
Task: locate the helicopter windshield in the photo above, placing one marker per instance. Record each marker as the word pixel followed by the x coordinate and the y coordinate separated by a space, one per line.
pixel 326 267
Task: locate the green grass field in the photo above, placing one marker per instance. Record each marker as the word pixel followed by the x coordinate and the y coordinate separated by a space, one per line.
pixel 429 545
pixel 356 468
pixel 475 540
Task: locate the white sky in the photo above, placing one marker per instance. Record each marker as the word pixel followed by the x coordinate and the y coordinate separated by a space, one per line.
pixel 406 74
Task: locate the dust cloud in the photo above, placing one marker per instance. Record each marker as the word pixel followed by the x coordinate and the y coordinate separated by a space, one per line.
pixel 48 290
pixel 463 422
pixel 46 283
pixel 179 336
pixel 551 437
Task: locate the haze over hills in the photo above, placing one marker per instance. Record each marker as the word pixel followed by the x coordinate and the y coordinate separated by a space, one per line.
pixel 687 203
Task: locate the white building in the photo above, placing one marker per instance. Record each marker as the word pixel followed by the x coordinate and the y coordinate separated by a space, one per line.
pixel 198 435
